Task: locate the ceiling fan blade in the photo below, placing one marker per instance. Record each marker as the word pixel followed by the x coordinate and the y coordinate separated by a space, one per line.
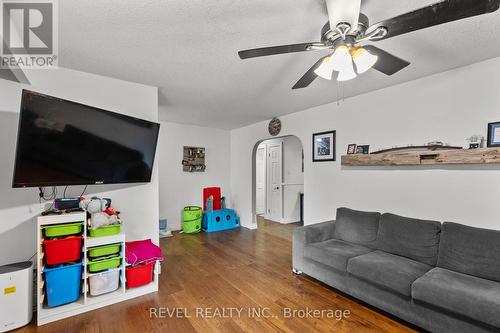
pixel 387 63
pixel 343 11
pixel 309 76
pixel 267 51
pixel 439 13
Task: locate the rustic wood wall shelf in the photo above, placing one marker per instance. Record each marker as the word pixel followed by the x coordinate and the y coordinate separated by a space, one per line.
pixel 442 157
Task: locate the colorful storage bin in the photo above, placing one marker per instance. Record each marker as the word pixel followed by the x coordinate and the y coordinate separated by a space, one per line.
pixel 105 282
pixel 108 230
pixel 223 219
pixel 191 219
pixel 140 275
pixel 105 250
pixel 64 250
pixel 97 265
pixel 63 229
pixel 63 284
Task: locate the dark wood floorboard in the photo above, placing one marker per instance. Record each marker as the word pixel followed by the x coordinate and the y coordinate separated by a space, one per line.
pixel 240 269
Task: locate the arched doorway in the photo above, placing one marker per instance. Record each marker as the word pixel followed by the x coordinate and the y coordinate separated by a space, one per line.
pixel 278 183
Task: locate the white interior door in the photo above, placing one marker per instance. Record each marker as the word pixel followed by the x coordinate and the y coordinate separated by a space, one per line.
pixel 260 180
pixel 275 180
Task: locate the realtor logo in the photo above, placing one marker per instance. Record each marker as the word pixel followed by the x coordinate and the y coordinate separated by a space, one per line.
pixel 29 33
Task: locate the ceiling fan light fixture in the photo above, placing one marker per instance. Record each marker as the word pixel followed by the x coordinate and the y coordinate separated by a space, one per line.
pixel 341 58
pixel 347 73
pixel 325 70
pixel 363 59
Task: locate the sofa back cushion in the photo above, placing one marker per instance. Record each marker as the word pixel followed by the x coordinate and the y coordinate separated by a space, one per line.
pixel 471 251
pixel 356 226
pixel 411 238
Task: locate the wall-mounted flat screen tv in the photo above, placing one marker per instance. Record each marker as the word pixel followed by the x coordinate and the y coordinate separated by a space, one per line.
pixel 66 143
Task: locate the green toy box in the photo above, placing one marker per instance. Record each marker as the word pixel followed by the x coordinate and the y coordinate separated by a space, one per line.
pixel 191 219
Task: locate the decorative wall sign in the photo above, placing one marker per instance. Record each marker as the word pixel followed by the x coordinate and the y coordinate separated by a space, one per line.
pixel 324 146
pixel 274 126
pixel 193 159
pixel 494 134
pixel 351 149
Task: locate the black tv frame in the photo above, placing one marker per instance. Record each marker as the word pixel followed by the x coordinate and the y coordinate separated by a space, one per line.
pixel 76 183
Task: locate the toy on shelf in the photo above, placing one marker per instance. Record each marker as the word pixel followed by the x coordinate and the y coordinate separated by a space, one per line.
pixel 104 219
pixel 216 216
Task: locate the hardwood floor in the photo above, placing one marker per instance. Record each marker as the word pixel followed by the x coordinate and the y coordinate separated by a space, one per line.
pixel 276 229
pixel 237 269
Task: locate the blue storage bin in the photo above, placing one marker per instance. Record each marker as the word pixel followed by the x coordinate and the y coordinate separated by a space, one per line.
pixel 63 284
pixel 222 219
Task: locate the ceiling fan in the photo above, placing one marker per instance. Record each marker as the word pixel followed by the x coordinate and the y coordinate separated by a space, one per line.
pixel 348 30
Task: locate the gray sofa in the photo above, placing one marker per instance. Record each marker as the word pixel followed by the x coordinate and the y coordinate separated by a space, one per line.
pixel 440 277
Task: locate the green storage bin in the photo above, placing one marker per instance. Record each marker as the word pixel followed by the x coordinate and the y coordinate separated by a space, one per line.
pixel 191 219
pixel 63 229
pixel 105 250
pixel 108 230
pixel 97 265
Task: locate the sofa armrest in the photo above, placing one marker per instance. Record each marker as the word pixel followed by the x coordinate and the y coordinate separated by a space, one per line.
pixel 306 235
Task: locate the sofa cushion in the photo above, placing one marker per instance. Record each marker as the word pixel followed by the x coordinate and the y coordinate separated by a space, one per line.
pixel 334 252
pixel 387 270
pixel 412 238
pixel 462 294
pixel 469 250
pixel 356 226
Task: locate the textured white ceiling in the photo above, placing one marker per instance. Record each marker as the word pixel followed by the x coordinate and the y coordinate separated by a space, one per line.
pixel 189 50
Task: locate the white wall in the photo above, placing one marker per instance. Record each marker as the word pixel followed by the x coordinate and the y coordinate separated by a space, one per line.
pixel 138 203
pixel 449 107
pixel 179 189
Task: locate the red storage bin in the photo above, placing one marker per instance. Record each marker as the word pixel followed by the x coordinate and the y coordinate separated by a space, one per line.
pixel 139 275
pixel 64 250
pixel 212 191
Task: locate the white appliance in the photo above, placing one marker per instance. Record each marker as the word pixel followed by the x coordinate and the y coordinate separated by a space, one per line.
pixel 16 295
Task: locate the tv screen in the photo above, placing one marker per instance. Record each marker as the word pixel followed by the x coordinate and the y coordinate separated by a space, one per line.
pixel 66 143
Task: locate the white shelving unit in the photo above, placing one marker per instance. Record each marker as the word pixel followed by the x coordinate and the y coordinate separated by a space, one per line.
pixel 86 302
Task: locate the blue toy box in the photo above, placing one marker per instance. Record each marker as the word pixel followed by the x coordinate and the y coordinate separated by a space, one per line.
pixel 217 220
pixel 63 284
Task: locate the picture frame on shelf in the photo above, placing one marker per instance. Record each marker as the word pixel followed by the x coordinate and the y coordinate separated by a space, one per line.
pixel 323 145
pixel 494 134
pixel 363 149
pixel 351 149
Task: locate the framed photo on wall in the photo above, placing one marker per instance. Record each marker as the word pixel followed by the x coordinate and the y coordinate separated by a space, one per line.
pixel 323 146
pixel 363 149
pixel 494 134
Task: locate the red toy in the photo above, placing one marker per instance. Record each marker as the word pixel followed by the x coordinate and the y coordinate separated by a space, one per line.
pixel 112 211
pixel 215 192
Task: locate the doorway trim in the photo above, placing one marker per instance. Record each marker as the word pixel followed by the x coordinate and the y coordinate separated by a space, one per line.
pixel 261 182
pixel 253 188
